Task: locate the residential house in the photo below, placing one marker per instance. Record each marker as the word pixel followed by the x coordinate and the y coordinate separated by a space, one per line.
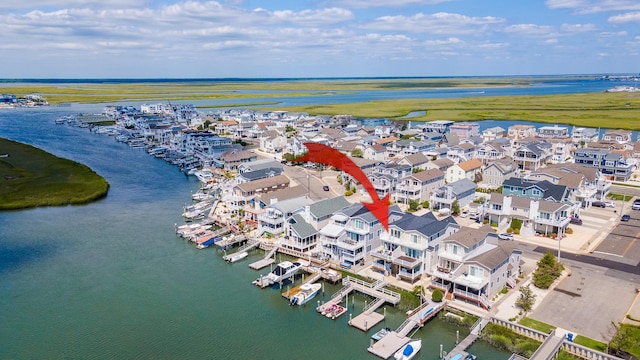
pixel 231 159
pixel 538 216
pixel 243 194
pixel 415 161
pixel 375 152
pixel 301 236
pixel 319 213
pixel 617 136
pixel 554 131
pixel 351 235
pixel 535 189
pixel 465 130
pixel 493 133
pixel 450 139
pixel 259 165
pixel 584 135
pixel 464 170
pixel 385 178
pixel 419 186
pixel 474 265
pixel 441 164
pixel 408 249
pixel 273 142
pixel 461 152
pixel 611 165
pixel 274 216
pixel 560 151
pixel 489 152
pixel 462 191
pixel 531 156
pixel 258 174
pixel 520 131
pixel 496 172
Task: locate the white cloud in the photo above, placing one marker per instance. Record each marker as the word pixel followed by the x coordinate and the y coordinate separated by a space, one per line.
pixel 449 41
pixel 532 30
pixel 625 18
pixel 550 41
pixel 590 7
pixel 438 23
pixel 362 4
pixel 314 17
pixel 611 33
pixel 577 28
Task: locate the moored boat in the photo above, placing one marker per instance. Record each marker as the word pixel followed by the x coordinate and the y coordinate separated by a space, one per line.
pixel 237 256
pixel 307 292
pixel 408 351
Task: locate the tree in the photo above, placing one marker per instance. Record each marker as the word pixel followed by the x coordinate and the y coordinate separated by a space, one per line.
pixel 549 269
pixel 289 128
pixel 437 295
pixel 207 123
pixel 413 205
pixel 416 170
pixel 357 153
pixel 455 207
pixel 425 204
pixel 526 299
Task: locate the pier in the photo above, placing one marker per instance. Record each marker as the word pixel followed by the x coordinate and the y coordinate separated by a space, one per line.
pixel 469 340
pixel 266 261
pixel 251 244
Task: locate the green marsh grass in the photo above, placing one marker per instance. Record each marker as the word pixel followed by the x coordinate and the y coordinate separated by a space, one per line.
pixel 30 177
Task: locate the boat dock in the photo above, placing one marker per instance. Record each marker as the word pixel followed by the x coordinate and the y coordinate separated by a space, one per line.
pixel 469 340
pixel 266 261
pixel 395 340
pixel 244 248
pixel 229 241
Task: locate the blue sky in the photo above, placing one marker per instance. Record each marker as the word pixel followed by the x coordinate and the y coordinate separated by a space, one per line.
pixel 328 38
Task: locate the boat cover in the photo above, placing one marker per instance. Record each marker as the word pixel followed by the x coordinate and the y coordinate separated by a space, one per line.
pixel 407 350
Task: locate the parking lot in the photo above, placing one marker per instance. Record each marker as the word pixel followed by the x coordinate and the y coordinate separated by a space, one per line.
pixel 622 241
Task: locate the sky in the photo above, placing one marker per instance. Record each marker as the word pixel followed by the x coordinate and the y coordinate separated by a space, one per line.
pixel 311 39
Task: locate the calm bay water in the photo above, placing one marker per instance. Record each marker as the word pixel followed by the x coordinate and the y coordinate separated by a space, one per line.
pixel 111 280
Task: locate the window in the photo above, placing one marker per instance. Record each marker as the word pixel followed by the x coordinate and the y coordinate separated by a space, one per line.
pixel 415 239
pixel 359 224
pixel 395 233
pixel 476 271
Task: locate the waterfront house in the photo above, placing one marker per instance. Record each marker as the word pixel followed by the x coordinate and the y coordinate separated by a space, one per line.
pixel 232 158
pixel 474 265
pixel 611 165
pixel 465 130
pixel 520 131
pixel 243 194
pixel 258 174
pixel 407 250
pixel 462 191
pixel 301 236
pixel 259 165
pixel 351 235
pixel 496 172
pixel 319 213
pixel 617 136
pixel 419 186
pixel 449 139
pixel 464 170
pixel 583 136
pixel 273 217
pixel 554 131
pixel 493 133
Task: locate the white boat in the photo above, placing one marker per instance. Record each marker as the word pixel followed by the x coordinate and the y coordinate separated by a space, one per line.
pixel 307 292
pixel 237 256
pixel 408 351
pixel 284 270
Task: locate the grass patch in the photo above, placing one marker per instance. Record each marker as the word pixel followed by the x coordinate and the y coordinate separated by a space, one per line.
pixel 627 340
pixel 622 197
pixel 590 343
pixel 30 177
pixel 505 339
pixel 536 325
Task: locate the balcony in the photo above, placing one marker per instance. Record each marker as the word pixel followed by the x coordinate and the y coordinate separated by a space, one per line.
pixel 385 255
pixel 408 276
pixel 560 222
pixel 363 231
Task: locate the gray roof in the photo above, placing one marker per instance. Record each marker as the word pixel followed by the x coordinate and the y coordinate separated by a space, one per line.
pixel 260 164
pixel 301 227
pixel 426 224
pixel 260 174
pixel 494 257
pixel 468 237
pixel 326 207
pixel 283 194
pixel 462 186
pixel 291 205
pixel 556 192
pixel 358 210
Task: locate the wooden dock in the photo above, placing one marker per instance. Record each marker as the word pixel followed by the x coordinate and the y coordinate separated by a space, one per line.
pixel 369 317
pixel 388 345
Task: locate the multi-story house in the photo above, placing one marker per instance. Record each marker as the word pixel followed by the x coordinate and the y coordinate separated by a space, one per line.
pixel 461 152
pixel 542 216
pixel 584 135
pixel 617 136
pixel 419 186
pixel 554 131
pixel 493 133
pixel 496 172
pixel 560 150
pixel 462 191
pixel 520 131
pixel 415 161
pixel 301 236
pixel 272 142
pixel 375 152
pixel 489 152
pixel 531 156
pixel 231 159
pixel 417 147
pixel 434 130
pixel 464 170
pixel 351 235
pixel 611 165
pixel 258 165
pixel 243 194
pixel 407 250
pixel 465 130
pixel 535 189
pixel 474 265
pixel 273 217
pixel 442 164
pixel 384 178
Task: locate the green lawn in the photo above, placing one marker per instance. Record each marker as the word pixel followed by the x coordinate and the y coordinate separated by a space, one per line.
pixel 536 325
pixel 590 343
pixel 30 177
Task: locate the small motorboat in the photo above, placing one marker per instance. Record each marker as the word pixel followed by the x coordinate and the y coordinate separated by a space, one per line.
pixel 408 351
pixel 237 256
pixel 307 292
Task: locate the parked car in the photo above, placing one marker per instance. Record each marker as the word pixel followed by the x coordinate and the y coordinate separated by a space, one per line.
pixel 609 204
pixel 625 217
pixel 600 204
pixel 464 214
pixel 505 236
pixel 576 221
pixel 636 205
pixel 325 188
pixel 474 216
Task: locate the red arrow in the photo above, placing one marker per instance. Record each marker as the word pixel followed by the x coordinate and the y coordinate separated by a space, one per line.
pixel 329 156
